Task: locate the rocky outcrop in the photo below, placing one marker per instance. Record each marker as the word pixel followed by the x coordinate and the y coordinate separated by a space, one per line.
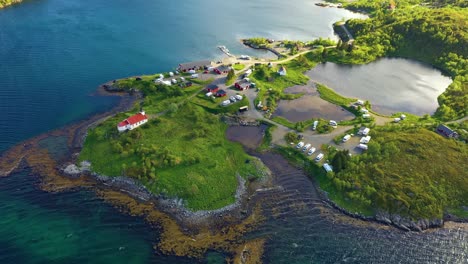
pixel 407 224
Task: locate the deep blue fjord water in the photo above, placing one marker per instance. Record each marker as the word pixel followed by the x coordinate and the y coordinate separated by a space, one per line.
pixel 54 54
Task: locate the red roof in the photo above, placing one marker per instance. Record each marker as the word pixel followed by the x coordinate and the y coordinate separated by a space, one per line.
pixel 133 119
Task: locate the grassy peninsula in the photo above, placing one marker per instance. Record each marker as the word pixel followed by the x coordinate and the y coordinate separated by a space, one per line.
pixel 181 152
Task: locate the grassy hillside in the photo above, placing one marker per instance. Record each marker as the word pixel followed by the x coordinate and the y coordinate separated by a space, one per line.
pixel 415 173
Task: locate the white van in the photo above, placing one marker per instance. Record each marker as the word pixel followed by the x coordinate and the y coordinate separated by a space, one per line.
pixel 311 151
pixel 319 157
pixel 300 145
pixel 306 147
pixel 346 138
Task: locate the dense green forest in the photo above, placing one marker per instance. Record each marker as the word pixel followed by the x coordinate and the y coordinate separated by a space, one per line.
pixel 435 32
pixel 5 3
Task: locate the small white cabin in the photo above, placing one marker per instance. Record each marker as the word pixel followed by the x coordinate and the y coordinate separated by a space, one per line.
pixel 133 122
pixel 282 71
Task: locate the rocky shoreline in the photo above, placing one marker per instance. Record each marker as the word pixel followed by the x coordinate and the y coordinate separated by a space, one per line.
pixel 402 223
pixel 174 206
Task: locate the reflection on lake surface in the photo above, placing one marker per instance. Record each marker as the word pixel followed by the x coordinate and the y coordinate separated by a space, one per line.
pixel 309 106
pixel 390 84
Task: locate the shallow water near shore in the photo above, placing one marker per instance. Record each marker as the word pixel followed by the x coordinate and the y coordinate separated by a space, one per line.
pixel 69 227
pixel 309 106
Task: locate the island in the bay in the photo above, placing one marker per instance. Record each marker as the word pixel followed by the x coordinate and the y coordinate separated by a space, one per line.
pixel 402 169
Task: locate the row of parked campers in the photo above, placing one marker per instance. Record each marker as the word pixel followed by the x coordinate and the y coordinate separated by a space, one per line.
pixel 232 99
pixel 310 150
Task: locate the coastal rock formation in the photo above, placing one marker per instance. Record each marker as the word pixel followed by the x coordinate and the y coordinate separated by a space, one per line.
pixel 406 223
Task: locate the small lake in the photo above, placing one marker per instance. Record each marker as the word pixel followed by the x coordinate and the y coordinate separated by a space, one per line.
pixel 390 84
pixel 309 106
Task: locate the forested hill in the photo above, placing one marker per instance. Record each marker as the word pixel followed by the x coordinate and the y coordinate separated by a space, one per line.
pixel 435 32
pixel 5 3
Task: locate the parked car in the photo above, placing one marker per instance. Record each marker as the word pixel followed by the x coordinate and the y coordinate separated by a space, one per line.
pixel 315 125
pixel 346 138
pixel 238 97
pixel 232 98
pixel 333 123
pixel 300 145
pixel 311 151
pixel 306 147
pixel 319 157
pixel 225 103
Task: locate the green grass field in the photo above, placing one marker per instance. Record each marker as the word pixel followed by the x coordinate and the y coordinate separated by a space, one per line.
pixel 238 67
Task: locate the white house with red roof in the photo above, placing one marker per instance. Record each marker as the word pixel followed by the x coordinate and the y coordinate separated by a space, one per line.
pixel 132 122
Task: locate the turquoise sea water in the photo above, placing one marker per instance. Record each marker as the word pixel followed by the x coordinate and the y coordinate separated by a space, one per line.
pixel 53 55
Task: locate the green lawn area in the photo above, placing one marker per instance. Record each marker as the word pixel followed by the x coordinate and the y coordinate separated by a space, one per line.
pixel 238 67
pixel 333 97
pixel 299 126
pixel 182 154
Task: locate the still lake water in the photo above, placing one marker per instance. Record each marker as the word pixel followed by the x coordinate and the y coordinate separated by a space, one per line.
pixel 53 55
pixel 390 84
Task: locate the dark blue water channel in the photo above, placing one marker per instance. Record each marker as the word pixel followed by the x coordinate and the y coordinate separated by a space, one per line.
pixel 53 55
